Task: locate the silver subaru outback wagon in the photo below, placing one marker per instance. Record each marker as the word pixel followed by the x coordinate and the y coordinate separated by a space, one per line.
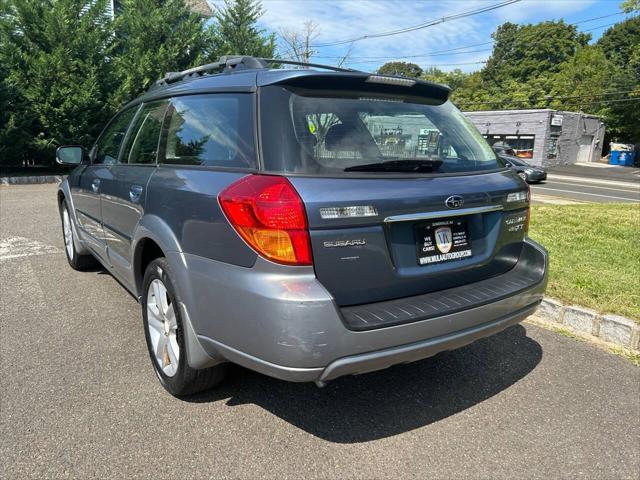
pixel 304 223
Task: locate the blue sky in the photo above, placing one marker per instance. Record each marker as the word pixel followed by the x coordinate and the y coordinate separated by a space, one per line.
pixel 347 19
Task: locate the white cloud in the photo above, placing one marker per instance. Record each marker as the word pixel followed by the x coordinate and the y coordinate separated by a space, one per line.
pixel 343 20
pixel 347 19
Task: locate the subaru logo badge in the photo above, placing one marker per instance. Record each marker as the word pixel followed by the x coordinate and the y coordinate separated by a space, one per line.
pixel 454 201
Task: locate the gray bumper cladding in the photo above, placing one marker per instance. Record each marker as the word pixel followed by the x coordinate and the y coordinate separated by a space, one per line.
pixel 290 328
pixel 382 359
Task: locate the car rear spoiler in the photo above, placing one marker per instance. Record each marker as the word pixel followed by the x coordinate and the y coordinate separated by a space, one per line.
pixel 358 82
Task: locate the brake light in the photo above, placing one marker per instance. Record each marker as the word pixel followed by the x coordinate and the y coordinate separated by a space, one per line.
pixel 526 222
pixel 269 215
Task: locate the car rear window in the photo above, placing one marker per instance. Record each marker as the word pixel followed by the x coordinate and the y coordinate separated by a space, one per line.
pixel 343 132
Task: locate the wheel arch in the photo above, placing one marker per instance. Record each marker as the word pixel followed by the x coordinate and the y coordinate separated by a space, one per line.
pixel 153 239
pixel 61 197
pixel 147 250
pixel 63 194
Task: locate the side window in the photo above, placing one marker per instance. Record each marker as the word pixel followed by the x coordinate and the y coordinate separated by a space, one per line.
pixel 109 143
pixel 212 130
pixel 142 144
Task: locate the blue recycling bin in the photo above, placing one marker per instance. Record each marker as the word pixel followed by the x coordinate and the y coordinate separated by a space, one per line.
pixel 626 158
pixel 614 158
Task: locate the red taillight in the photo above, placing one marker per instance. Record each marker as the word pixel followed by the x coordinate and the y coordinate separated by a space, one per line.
pixel 526 222
pixel 269 214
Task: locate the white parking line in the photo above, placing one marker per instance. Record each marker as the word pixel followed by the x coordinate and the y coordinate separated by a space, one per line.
pixel 552 176
pixel 615 189
pixel 589 194
pixel 16 247
pixel 555 200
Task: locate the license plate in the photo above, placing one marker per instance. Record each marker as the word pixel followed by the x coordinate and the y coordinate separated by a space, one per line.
pixel 442 241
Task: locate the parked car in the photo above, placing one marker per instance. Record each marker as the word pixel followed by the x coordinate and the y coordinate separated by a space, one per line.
pixel 260 218
pixel 529 173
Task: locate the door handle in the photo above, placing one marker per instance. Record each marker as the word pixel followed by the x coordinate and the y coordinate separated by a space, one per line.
pixel 135 192
pixel 95 185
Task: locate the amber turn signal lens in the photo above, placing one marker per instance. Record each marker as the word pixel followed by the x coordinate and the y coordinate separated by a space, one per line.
pixel 269 215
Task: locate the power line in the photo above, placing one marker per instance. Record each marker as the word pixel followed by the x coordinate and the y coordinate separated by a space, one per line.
pixel 552 97
pixel 617 100
pixel 598 18
pixel 427 55
pixel 434 54
pixel 438 53
pixel 420 26
pixel 448 51
pixel 425 65
pixel 528 105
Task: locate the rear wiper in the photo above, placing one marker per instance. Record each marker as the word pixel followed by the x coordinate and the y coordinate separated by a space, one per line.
pixel 412 165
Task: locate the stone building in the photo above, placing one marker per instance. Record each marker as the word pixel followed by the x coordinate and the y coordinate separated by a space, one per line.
pixel 544 137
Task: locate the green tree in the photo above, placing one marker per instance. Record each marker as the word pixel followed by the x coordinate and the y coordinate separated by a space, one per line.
pixel 54 53
pixel 455 79
pixel 236 31
pixel 467 89
pixel 473 94
pixel 403 69
pixel 618 41
pixel 629 6
pixel 581 81
pixel 12 139
pixel 520 72
pixel 434 74
pixel 621 45
pixel 524 52
pixel 153 37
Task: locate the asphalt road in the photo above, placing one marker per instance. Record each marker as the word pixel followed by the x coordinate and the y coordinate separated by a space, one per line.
pixel 587 192
pixel 588 184
pixel 79 398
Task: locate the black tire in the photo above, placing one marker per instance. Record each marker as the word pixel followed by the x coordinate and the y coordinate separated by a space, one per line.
pixel 76 260
pixel 186 380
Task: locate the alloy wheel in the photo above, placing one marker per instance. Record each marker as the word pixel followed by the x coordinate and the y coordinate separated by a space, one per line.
pixel 68 233
pixel 163 328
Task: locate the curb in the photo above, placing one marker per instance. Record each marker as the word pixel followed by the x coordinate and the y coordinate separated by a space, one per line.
pixel 613 329
pixel 31 179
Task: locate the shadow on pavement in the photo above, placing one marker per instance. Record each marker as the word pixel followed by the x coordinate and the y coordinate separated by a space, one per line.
pixel 386 403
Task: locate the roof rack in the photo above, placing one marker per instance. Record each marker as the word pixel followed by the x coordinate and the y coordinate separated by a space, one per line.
pixel 230 63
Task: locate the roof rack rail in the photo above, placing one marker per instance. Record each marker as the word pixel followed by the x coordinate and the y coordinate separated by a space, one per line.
pixel 239 62
pixel 307 64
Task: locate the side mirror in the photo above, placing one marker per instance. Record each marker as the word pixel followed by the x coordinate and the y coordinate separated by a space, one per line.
pixel 70 155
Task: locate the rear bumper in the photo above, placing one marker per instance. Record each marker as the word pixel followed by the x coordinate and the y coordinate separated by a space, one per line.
pixel 381 359
pixel 289 327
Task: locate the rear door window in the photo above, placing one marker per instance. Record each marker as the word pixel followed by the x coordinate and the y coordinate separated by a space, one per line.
pixel 213 130
pixel 142 144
